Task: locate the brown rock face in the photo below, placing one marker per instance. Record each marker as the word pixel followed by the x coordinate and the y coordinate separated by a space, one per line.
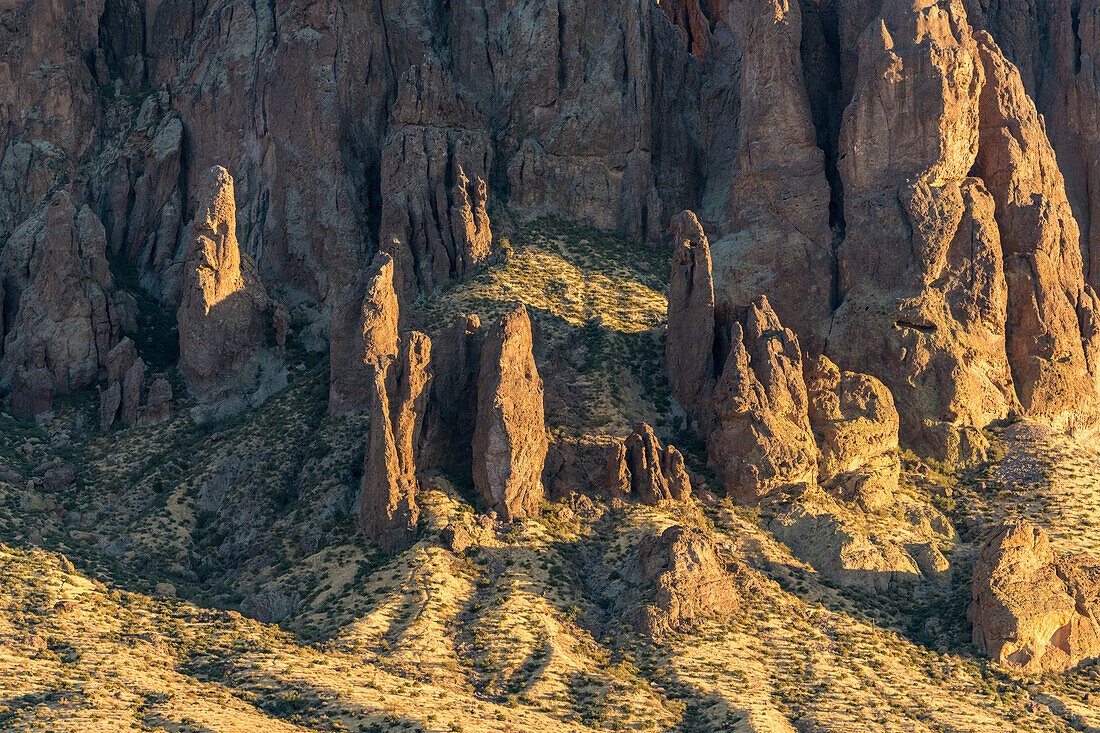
pixel 363 329
pixel 224 311
pixel 856 428
pixel 61 307
pixel 388 510
pixel 930 322
pixel 1031 609
pixel 509 446
pixel 690 347
pixel 433 169
pixel 1053 338
pixel 692 582
pixel 158 402
pixel 762 440
pixel 639 468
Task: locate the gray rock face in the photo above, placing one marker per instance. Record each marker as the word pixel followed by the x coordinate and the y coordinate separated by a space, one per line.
pixel 62 310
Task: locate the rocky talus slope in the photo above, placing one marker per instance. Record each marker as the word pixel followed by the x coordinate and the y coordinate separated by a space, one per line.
pixel 695 365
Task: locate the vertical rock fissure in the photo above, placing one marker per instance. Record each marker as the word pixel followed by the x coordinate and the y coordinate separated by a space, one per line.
pixel 821 70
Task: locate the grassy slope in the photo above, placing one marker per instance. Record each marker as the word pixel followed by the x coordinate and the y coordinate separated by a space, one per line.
pixel 524 633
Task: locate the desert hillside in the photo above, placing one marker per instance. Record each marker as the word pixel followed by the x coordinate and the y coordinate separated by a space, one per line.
pixel 692 365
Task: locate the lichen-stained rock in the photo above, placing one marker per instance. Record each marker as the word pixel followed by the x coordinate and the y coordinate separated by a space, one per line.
pixel 856 427
pixel 689 349
pixel 62 309
pixel 639 468
pixel 510 444
pixel 692 581
pixel 762 441
pixel 924 294
pixel 224 311
pixel 434 166
pixel 388 509
pixel 1053 339
pixel 363 327
pixel 1033 610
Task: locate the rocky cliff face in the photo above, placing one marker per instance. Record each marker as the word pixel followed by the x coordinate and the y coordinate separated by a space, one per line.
pixel 225 314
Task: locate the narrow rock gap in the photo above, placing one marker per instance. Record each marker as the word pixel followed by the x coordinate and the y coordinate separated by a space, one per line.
pixel 821 72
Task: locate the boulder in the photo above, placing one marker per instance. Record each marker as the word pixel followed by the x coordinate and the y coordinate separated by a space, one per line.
pixel 363 328
pixel 856 429
pixel 762 441
pixel 388 509
pixel 510 444
pixel 158 402
pixel 691 581
pixel 639 468
pixel 224 312
pixel 1032 609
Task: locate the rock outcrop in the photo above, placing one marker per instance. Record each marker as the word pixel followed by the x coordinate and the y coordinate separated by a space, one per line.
pixel 62 311
pixel 1033 610
pixel 762 441
pixel 125 385
pixel 363 329
pixel 638 468
pixel 434 166
pixel 510 444
pixel 856 429
pixel 225 314
pixel 388 509
pixel 689 350
pixel 692 582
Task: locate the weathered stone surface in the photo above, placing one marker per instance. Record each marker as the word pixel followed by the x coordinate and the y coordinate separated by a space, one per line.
pixel 434 165
pixel 62 309
pixel 575 466
pixel 692 582
pixel 689 350
pixel 110 400
pixel 388 509
pixel 224 311
pixel 132 385
pixel 924 303
pixel 856 429
pixel 510 444
pixel 639 468
pixel 1033 610
pixel 158 402
pixel 1053 336
pixel 762 441
pixel 457 538
pixel 363 328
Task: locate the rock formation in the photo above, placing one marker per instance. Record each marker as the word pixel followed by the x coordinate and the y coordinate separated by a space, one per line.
pixel 691 581
pixel 510 444
pixel 856 429
pixel 388 510
pixel 434 165
pixel 639 468
pixel 62 311
pixel 225 313
pixel 125 385
pixel 363 329
pixel 762 441
pixel 1033 610
pixel 689 350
